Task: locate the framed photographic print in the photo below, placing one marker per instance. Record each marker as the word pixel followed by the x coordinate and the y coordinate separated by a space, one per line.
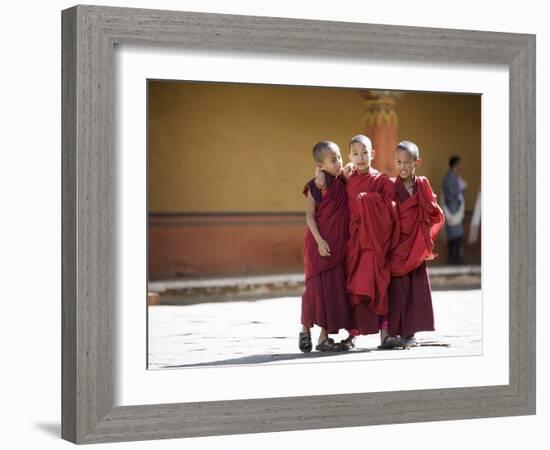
pixel 186 144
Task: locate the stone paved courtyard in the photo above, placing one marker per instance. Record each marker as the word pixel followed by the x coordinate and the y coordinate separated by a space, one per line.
pixel 266 332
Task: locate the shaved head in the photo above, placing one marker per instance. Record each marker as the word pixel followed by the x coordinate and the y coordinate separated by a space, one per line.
pixel 321 148
pixel 410 147
pixel 363 140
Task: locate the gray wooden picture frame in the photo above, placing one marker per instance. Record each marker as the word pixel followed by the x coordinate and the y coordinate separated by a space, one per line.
pixel 89 35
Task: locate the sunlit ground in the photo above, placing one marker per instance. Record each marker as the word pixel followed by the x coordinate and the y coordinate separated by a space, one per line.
pixel 266 332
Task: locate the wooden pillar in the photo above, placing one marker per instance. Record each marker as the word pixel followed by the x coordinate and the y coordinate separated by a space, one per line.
pixel 381 127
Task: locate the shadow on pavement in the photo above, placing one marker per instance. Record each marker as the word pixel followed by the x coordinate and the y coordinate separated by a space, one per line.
pixel 259 359
pixel 267 358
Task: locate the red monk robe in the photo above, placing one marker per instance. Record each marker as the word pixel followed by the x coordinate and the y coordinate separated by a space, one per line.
pixel 373 232
pixel 420 219
pixel 324 301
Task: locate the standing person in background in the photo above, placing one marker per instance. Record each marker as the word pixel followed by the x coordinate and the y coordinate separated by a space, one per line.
pixel 453 206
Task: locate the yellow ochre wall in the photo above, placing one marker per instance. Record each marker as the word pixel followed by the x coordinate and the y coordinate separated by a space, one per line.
pixel 443 125
pixel 217 147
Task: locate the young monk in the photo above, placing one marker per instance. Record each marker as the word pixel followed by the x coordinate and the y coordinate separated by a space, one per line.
pixel 420 220
pixel 324 301
pixel 373 231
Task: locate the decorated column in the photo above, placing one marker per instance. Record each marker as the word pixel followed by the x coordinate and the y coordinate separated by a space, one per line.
pixel 381 127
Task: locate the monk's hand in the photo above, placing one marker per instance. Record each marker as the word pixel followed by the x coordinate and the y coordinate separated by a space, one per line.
pixel 324 249
pixel 347 169
pixel 320 178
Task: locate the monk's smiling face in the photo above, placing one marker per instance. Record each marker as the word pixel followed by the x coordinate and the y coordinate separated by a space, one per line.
pixel 405 164
pixel 360 156
pixel 332 160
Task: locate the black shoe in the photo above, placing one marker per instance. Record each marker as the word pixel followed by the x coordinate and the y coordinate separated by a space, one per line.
pixel 328 345
pixel 348 343
pixel 389 342
pixel 409 342
pixel 304 341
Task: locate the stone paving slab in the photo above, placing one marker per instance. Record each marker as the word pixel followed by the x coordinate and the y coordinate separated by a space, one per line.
pixel 266 332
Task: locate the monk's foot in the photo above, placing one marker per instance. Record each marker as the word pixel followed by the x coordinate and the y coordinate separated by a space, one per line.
pixel 304 341
pixel 389 342
pixel 408 342
pixel 348 343
pixel 328 345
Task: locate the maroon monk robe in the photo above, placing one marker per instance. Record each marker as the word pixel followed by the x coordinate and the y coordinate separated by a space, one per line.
pixel 373 232
pixel 324 301
pixel 420 221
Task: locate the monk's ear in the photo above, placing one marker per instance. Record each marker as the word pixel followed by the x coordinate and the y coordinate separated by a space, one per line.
pixel 417 163
pixel 372 153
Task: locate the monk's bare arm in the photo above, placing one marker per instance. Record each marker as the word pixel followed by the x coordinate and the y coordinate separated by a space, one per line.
pixel 320 179
pixel 324 249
